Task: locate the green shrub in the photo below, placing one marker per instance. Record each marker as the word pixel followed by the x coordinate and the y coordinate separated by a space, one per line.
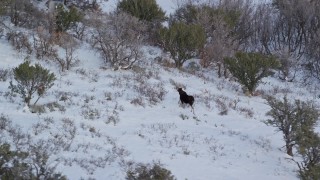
pixel 292 119
pixel 297 121
pixel 31 79
pixel 182 41
pixel 188 14
pixel 3 6
pixel 147 10
pixel 148 172
pixel 250 68
pixel 309 148
pixel 65 19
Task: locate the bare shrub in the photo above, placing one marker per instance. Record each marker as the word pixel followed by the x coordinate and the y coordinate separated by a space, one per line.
pixel 207 98
pixel 60 140
pixel 118 38
pixel 43 125
pixel 17 137
pixel 39 109
pixel 118 81
pixel 79 30
pixel 94 132
pixel 166 62
pixel 69 130
pixel 53 106
pixel 221 105
pixel 113 117
pixel 83 72
pixel 153 92
pixel 69 46
pixel 43 44
pixel 263 143
pixel 183 116
pixel 234 104
pixel 90 113
pixel 44 167
pixel 279 90
pixel 227 26
pixel 138 101
pixel 92 75
pixel 18 164
pixel 222 46
pixel 66 97
pixel 88 98
pixel 108 96
pixel 97 160
pixel 23 13
pixel 246 111
pixel 4 74
pixel 289 65
pixel 20 42
pixel 38 160
pixel 1 31
pixel 5 122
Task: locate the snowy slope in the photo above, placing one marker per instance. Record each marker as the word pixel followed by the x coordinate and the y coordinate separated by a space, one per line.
pixel 103 129
pixel 202 146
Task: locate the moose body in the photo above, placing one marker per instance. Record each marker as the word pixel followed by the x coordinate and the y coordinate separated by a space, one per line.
pixel 185 98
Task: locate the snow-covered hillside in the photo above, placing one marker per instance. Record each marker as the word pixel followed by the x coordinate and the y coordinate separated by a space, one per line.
pixel 96 120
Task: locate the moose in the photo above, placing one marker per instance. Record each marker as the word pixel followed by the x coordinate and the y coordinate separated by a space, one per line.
pixel 185 98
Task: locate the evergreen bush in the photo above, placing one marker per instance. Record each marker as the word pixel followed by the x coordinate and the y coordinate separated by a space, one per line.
pixel 31 79
pixel 65 19
pixel 182 41
pixel 250 68
pixel 292 119
pixel 147 10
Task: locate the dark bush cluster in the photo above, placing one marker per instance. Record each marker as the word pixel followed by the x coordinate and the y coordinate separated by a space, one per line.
pixel 149 172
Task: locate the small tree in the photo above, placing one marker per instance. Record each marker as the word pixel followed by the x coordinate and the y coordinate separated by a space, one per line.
pixel 65 19
pixel 182 41
pixel 147 10
pixel 291 119
pixel 250 68
pixel 31 79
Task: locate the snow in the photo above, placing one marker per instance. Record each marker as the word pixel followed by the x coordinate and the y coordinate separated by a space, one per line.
pixel 203 146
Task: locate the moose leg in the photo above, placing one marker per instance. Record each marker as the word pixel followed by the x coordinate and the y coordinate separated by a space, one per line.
pixel 192 110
